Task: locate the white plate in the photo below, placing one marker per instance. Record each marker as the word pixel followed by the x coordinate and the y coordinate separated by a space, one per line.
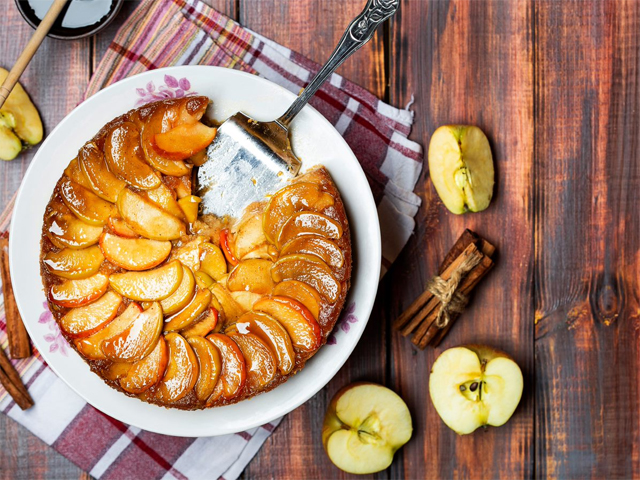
pixel 314 140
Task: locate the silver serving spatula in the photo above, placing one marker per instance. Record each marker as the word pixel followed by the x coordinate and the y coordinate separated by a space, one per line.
pixel 250 159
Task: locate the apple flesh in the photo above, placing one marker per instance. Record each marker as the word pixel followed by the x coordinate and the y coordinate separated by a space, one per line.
pixel 364 426
pixel 473 386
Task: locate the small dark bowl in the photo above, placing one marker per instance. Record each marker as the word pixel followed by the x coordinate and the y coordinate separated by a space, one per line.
pixel 66 33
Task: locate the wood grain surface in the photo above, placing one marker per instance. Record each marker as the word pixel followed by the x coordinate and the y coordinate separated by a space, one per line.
pixel 554 84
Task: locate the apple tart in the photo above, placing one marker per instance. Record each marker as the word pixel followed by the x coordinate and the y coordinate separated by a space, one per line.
pixel 177 309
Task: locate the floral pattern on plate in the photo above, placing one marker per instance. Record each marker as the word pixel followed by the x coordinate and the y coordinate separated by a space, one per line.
pixel 173 88
pixel 54 338
pixel 344 323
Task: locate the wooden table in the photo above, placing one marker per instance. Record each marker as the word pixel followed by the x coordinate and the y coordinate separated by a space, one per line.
pixel 555 84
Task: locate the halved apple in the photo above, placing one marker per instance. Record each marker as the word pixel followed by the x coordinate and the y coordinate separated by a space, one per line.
pixel 147 372
pixel 164 198
pixel 69 263
pixel 150 285
pixel 76 293
pixel 212 261
pixel 189 206
pixel 308 269
pixel 189 314
pixel 103 183
pixel 252 275
pixel 308 223
pixel 260 361
pixel 245 299
pixel 290 200
pixel 202 327
pixel 303 329
pixel 182 296
pixel 75 173
pixel 273 333
pixel 147 219
pixel 86 320
pixel 134 253
pixel 87 206
pixel 305 294
pixel 138 340
pixel 232 310
pixel 118 226
pixel 64 229
pixel 189 253
pixel 321 247
pixel 210 366
pixel 182 371
pixel 233 374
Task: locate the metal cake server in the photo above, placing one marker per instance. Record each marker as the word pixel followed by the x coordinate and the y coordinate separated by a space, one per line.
pixel 250 159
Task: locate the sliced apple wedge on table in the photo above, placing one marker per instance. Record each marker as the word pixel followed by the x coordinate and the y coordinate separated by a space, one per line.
pixel 189 314
pixel 76 293
pixel 137 341
pixel 183 294
pixel 182 371
pixel 150 285
pixel 87 206
pixel 73 264
pixel 306 223
pixel 209 364
pixel 86 320
pixel 260 361
pixel 233 374
pixel 147 372
pixel 252 275
pixel 103 183
pixel 134 253
pixel 147 219
pixel 308 269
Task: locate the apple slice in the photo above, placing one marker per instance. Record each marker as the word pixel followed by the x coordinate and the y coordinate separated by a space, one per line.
pixel 305 294
pixel 461 167
pixel 308 269
pixel 249 236
pixel 189 253
pixel 225 245
pixel 246 299
pixel 252 275
pixel 147 219
pixel 303 329
pixel 233 374
pixel 134 253
pixel 150 285
pixel 202 327
pixel 203 280
pixel 212 261
pixel 74 264
pixel 182 296
pixel 475 385
pixel 190 205
pixel 182 371
pixel 164 198
pixel 138 340
pixel 321 247
pixel 91 346
pixel 364 426
pixel 116 371
pixel 64 229
pixel 76 293
pixel 292 199
pixel 181 185
pixel 232 310
pixel 75 173
pixel 273 333
pixel 189 314
pixel 147 372
pixel 185 140
pixel 103 183
pixel 308 223
pixel 125 157
pixel 86 320
pixel 87 206
pixel 119 227
pixel 260 361
pixel 210 366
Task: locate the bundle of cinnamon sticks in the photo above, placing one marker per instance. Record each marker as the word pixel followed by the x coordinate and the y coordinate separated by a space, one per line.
pixel 469 260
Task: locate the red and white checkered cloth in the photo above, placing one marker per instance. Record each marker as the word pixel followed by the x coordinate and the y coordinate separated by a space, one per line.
pixel 188 32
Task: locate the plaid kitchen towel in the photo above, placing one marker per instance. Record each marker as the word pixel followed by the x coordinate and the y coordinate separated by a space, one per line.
pixel 187 32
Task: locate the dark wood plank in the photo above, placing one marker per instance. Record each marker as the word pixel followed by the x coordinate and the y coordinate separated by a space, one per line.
pixel 587 233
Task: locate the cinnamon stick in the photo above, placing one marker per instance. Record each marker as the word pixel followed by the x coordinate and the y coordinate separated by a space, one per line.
pixel 10 380
pixel 19 346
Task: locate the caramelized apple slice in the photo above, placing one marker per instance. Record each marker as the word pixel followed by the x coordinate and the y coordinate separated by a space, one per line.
pixel 185 317
pixel 147 372
pixel 260 362
pixel 305 294
pixel 308 223
pixel 91 347
pixel 119 227
pixel 104 183
pixel 87 206
pixel 182 296
pixel 295 318
pixel 75 173
pixel 64 229
pixel 138 340
pixel 73 264
pixel 185 140
pixel 181 185
pixel 76 293
pixel 163 119
pixel 125 157
pixel 181 374
pixel 134 253
pixel 84 321
pixel 249 236
pixel 210 366
pixel 212 261
pixel 202 327
pixel 203 280
pixel 246 299
pixel 189 253
pixel 273 333
pixel 147 219
pixel 310 270
pixel 252 275
pixel 292 199
pixel 164 197
pixel 234 371
pixel 321 247
pixel 225 245
pixel 229 306
pixel 189 206
pixel 150 285
pixel 116 371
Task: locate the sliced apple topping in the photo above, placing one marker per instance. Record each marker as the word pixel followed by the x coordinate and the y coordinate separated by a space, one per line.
pixel 305 294
pixel 307 223
pixel 119 227
pixel 260 361
pixel 150 285
pixel 232 310
pixel 249 235
pixel 212 261
pixel 182 296
pixel 165 198
pixel 295 318
pixel 64 229
pixel 125 158
pixel 75 173
pixel 189 206
pixel 189 314
pixel 225 245
pixel 189 253
pixel 104 183
pixel 185 140
pixel 292 199
pixel 203 280
pixel 182 371
pixel 76 293
pixel 321 247
pixel 210 366
pixel 252 275
pixel 138 340
pixel 86 320
pixel 116 371
pixel 69 263
pixel 202 327
pixel 134 253
pixel 87 206
pixel 273 333
pixel 147 372
pixel 246 299
pixel 308 269
pixel 233 374
pixel 147 219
